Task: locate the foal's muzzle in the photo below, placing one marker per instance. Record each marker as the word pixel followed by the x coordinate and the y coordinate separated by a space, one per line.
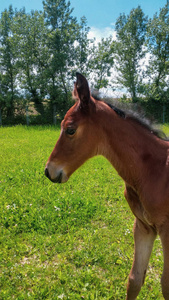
pixel 55 174
pixel 57 179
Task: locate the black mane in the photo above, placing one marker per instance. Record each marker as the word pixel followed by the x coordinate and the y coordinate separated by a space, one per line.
pixel 142 121
pixel 137 118
pixel 118 111
pixel 145 123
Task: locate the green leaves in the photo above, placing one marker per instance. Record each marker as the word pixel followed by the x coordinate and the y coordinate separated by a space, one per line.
pixel 158 45
pixel 7 63
pixel 131 31
pixel 41 51
pixel 101 62
pixel 38 55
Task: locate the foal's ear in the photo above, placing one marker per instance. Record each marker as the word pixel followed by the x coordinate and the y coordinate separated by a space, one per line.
pixel 82 89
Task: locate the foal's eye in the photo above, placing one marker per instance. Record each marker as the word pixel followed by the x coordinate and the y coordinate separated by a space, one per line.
pixel 70 131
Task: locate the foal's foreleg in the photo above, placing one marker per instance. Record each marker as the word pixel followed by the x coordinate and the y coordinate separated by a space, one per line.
pixel 143 238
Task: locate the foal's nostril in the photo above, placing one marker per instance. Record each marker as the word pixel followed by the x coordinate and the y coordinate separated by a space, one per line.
pixel 58 175
pixel 47 173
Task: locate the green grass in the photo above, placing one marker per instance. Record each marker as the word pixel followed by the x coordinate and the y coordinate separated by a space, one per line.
pixel 70 241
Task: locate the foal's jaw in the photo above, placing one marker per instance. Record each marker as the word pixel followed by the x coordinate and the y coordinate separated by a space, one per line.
pixel 55 174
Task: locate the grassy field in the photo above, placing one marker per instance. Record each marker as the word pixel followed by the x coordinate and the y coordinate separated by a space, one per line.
pixel 70 241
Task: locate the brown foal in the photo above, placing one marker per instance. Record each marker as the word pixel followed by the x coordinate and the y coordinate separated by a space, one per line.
pixel 140 157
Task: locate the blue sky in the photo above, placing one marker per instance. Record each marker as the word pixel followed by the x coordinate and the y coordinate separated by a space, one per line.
pixel 99 13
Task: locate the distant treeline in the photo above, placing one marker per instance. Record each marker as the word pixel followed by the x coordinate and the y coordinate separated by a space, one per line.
pixel 40 52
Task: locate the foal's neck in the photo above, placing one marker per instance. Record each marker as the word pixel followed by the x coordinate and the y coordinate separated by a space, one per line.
pixel 130 147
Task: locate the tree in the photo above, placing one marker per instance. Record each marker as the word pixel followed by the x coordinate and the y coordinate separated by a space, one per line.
pixel 7 64
pixel 131 31
pixel 101 61
pixel 39 53
pixel 62 32
pixel 29 33
pixel 82 45
pixel 158 45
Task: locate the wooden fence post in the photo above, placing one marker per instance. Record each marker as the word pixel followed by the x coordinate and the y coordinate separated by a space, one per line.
pixel 0 118
pixel 27 116
pixel 164 113
pixel 54 114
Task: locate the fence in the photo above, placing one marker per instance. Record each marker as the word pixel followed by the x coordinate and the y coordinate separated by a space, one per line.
pixel 154 110
pixel 29 115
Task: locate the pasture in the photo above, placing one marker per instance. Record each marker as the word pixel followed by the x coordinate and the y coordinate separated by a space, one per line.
pixel 70 241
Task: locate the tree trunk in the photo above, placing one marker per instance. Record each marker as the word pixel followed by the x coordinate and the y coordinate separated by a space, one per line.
pixel 0 118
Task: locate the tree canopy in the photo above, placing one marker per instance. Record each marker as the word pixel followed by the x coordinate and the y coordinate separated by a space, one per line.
pixel 40 52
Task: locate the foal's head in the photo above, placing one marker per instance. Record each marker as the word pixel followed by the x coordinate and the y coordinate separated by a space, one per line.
pixel 79 137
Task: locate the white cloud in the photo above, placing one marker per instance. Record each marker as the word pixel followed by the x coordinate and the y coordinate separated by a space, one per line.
pixel 99 33
pixel 144 62
pixel 113 24
pixel 110 93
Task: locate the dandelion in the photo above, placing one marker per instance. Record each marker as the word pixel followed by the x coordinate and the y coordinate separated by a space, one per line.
pixel 61 296
pixel 127 231
pixel 56 208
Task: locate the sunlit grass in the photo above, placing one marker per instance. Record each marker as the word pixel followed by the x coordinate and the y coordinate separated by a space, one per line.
pixel 70 241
